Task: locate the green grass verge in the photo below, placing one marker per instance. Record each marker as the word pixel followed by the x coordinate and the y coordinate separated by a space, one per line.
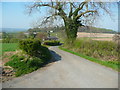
pixel 23 66
pixel 5 47
pixel 112 64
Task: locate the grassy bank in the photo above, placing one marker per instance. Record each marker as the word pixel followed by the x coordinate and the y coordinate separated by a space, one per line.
pixel 30 57
pixel 24 64
pixel 102 52
pixel 112 64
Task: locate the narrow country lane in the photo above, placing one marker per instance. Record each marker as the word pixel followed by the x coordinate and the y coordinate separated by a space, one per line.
pixel 68 71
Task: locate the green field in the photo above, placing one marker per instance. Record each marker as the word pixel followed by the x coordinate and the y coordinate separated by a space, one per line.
pixel 5 47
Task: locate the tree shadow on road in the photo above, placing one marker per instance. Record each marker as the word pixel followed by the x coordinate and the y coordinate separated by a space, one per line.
pixel 55 57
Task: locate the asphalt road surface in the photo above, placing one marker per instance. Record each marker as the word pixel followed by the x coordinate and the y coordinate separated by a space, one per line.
pixel 67 71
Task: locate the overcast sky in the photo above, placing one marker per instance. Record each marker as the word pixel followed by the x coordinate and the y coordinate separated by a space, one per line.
pixel 14 16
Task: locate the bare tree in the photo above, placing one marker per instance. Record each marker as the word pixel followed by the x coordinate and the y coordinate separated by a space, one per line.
pixel 74 14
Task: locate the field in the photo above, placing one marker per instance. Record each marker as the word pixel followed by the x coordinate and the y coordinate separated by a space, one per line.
pixel 5 47
pixel 96 36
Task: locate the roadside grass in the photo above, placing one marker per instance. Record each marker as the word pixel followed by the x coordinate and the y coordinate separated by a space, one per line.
pixel 112 64
pixel 23 66
pixel 5 47
pixel 103 50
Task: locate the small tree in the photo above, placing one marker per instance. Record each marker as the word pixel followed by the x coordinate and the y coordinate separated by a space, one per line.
pixel 74 14
pixel 41 35
pixel 21 35
pixel 5 35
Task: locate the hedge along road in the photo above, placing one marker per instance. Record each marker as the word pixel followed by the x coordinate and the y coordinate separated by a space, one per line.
pixel 68 71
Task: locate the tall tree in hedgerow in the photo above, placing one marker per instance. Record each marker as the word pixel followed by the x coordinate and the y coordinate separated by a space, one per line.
pixel 74 14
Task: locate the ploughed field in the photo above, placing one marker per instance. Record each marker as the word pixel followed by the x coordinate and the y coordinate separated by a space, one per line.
pixel 96 36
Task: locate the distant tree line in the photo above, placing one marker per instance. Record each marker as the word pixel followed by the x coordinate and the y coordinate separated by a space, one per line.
pixel 12 37
pixel 95 30
pixel 45 29
pixel 16 37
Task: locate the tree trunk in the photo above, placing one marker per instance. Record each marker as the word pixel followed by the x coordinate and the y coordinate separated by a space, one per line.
pixel 71 28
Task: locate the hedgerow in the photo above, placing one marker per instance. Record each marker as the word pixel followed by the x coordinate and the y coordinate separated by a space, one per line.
pixel 52 42
pixel 104 50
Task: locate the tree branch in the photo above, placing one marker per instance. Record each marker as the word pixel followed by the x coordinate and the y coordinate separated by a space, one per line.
pixel 71 9
pixel 85 13
pixel 53 15
pixel 79 8
pixel 48 5
pixel 57 7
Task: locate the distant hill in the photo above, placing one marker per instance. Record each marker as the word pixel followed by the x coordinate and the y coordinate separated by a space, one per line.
pixel 13 30
pixel 81 29
pixel 95 30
